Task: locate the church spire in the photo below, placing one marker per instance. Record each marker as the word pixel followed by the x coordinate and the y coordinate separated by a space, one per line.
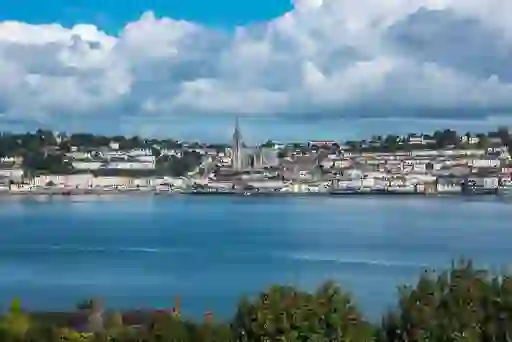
pixel 237 127
pixel 237 146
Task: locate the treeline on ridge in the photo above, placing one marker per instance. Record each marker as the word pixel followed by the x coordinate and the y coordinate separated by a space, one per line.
pixel 44 152
pixel 464 303
pixel 32 142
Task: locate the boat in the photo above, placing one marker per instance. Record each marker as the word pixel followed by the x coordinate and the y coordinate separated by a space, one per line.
pixel 401 190
pixel 471 190
pixel 211 192
pixel 505 190
pixel 377 191
pixel 345 191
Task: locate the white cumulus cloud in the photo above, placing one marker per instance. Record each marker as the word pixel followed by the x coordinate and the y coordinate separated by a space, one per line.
pixel 336 57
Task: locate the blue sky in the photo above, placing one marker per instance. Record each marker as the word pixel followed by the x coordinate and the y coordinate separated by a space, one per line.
pixel 291 69
pixel 112 15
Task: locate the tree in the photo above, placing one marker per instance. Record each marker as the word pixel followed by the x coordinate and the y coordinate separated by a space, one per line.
pixel 462 304
pixel 156 152
pixel 164 327
pixel 65 146
pixel 281 154
pixel 483 141
pixel 283 313
pixel 179 166
pixel 446 138
pixel 46 137
pixel 115 321
pixel 391 143
pixel 34 162
pixel 268 143
pixel 353 145
pixel 131 143
pixel 506 140
pixel 16 323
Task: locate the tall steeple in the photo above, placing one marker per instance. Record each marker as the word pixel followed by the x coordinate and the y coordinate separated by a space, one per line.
pixel 237 134
pixel 236 159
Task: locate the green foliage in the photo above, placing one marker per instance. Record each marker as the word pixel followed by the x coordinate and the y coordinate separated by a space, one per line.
pixel 268 143
pixel 179 166
pixel 11 143
pixel 15 323
pixel 163 327
pixel 66 334
pixel 464 303
pixel 285 314
pixel 36 162
pixel 483 141
pixel 43 153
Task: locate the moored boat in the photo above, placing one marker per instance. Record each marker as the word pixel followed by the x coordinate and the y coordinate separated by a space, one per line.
pixel 505 190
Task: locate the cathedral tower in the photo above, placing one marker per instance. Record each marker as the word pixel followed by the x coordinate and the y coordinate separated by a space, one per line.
pixel 236 158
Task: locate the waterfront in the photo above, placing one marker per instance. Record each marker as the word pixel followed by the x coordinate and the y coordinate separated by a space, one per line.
pixel 142 251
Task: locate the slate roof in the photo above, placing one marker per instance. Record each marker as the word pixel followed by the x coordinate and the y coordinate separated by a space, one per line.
pixel 301 163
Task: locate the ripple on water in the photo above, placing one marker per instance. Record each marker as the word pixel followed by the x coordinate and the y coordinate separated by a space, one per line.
pixel 143 251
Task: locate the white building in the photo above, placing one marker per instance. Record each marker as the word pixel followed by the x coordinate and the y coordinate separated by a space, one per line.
pixel 79 155
pixel 114 145
pixel 87 165
pixel 111 181
pixel 14 174
pixel 140 152
pixel 131 165
pixel 485 163
pixel 81 180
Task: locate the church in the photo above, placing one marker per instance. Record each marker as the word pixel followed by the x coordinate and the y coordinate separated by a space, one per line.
pixel 245 158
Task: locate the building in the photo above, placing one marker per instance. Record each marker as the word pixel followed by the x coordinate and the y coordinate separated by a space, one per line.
pixel 236 158
pixel 414 139
pixel 14 174
pixel 320 143
pixel 265 157
pixel 301 167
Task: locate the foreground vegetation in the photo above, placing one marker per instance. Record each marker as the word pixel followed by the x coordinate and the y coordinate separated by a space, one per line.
pixel 461 304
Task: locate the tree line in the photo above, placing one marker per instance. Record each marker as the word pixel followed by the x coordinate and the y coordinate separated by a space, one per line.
pixel 44 153
pixel 463 303
pixel 33 142
pixel 392 143
pixel 16 143
pixel 40 163
pixel 439 139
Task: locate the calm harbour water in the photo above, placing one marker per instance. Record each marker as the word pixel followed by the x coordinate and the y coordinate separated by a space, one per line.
pixel 142 251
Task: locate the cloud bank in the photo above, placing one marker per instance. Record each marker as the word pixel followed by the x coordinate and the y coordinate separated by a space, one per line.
pixel 446 59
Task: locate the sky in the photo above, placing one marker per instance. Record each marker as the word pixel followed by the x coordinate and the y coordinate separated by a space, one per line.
pixel 291 70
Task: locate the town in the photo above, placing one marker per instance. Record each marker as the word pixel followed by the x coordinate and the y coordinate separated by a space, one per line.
pixel 444 162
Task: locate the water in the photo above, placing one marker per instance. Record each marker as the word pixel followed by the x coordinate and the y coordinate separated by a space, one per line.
pixel 142 251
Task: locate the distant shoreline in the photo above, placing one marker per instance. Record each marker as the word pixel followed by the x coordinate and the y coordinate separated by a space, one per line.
pixel 75 192
pixel 148 192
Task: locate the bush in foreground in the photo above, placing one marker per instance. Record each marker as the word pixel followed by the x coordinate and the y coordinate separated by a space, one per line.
pixel 461 304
